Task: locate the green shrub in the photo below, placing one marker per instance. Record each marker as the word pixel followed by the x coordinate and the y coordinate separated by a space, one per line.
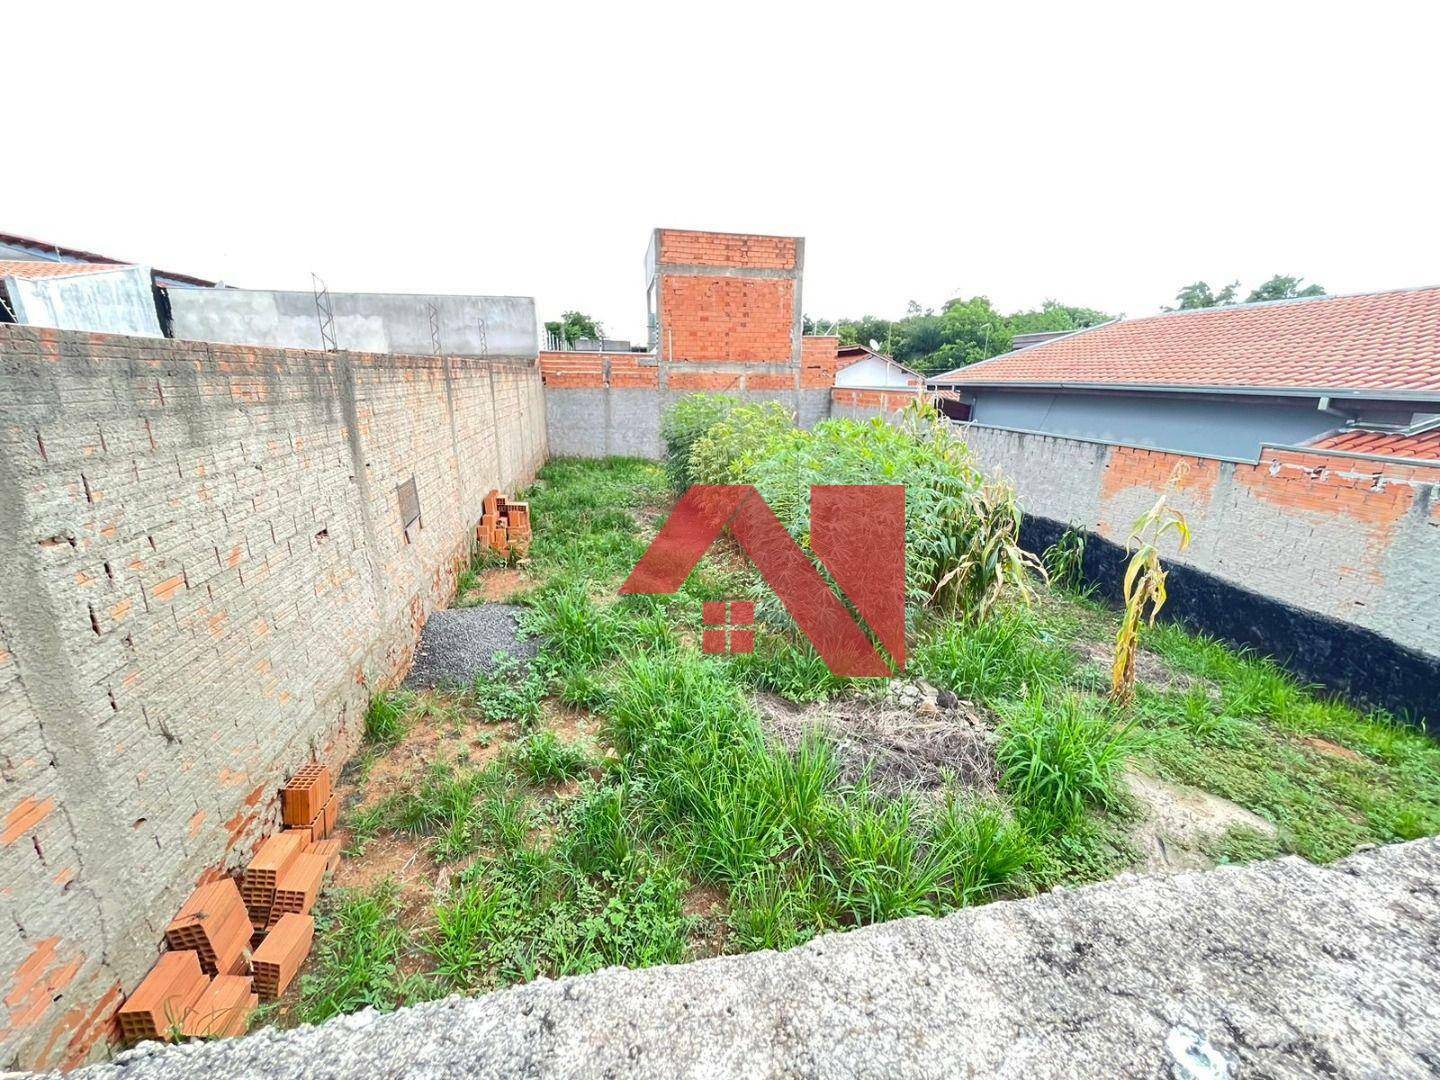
pixel 685 422
pixel 733 445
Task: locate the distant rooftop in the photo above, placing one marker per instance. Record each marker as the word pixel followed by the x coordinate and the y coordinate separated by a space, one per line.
pixel 1387 342
pixel 42 251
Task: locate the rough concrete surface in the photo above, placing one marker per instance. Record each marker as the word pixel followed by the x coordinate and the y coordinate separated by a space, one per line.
pixel 459 643
pixel 1275 969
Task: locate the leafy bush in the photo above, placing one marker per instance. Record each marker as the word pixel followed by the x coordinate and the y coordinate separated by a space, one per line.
pixel 685 422
pixel 731 448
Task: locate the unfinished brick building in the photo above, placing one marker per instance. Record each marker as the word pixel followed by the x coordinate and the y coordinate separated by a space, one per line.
pixel 725 316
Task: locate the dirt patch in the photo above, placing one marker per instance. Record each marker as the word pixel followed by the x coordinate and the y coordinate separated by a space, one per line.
pixel 1180 823
pixel 499 586
pixel 1330 749
pixel 440 731
pixel 1150 669
pixel 913 739
pixel 707 906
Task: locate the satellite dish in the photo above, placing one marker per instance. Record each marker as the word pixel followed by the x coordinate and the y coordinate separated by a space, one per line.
pixel 874 345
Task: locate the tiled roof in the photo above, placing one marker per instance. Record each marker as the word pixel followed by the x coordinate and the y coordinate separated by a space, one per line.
pixel 1423 447
pixel 1387 341
pixel 28 268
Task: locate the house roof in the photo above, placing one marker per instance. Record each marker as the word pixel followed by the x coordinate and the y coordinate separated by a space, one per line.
pixel 1386 342
pixel 57 253
pixel 34 268
pixel 1421 447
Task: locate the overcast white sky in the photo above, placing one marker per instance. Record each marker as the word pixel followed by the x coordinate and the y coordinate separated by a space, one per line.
pixel 1102 155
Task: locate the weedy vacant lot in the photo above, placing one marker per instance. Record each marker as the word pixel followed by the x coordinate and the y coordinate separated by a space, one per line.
pixel 628 800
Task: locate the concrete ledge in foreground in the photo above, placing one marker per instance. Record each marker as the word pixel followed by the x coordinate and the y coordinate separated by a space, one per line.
pixel 1275 969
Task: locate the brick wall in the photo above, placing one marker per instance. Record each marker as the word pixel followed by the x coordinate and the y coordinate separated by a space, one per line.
pixel 727 307
pixel 1349 539
pixel 863 404
pixel 203 576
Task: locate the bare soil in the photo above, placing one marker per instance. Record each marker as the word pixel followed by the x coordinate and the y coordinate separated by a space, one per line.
pixel 905 741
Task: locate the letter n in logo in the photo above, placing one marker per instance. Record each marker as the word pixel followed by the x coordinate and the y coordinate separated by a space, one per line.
pixel 858 532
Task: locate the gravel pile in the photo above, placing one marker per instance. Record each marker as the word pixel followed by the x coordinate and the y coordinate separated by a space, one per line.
pixel 459 643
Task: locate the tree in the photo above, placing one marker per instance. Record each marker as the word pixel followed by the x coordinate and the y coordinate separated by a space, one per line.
pixel 962 332
pixel 1198 295
pixel 1283 287
pixel 1054 315
pixel 574 325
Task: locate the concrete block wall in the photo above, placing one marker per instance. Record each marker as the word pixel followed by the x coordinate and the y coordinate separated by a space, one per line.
pixel 203 578
pixel 1349 539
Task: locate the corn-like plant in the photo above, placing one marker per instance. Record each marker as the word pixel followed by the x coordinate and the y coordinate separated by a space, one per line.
pixel 1145 581
pixel 1065 559
pixel 983 555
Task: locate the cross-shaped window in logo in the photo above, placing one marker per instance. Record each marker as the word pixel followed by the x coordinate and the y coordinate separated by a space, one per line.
pixel 728 627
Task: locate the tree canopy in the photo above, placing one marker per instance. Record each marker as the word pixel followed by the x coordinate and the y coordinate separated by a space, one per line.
pixel 574 325
pixel 962 332
pixel 1280 287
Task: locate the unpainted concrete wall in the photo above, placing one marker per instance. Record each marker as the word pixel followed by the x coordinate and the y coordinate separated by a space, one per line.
pixel 203 577
pixel 365 322
pixel 119 301
pixel 1353 540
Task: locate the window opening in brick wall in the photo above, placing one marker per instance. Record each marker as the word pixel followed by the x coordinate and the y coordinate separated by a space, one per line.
pixel 409 506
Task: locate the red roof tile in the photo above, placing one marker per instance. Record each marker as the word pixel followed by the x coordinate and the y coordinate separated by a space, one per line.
pixel 1386 341
pixel 30 268
pixel 1423 447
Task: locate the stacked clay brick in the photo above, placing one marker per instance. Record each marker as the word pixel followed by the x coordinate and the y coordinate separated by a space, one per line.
pixel 505 525
pixel 209 981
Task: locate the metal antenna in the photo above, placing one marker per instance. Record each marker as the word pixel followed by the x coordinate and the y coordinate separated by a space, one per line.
pixel 484 342
pixel 324 314
pixel 433 313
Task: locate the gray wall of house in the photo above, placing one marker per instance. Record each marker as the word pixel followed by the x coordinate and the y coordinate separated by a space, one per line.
pixel 1215 426
pixel 364 322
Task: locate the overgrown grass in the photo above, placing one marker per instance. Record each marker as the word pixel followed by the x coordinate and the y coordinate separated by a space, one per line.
pixel 1062 758
pixel 360 943
pixel 556 878
pixel 543 759
pixel 1009 657
pixel 385 719
pixel 1330 776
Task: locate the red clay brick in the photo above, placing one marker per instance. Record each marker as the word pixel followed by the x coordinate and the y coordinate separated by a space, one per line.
pixel 163 999
pixel 305 795
pixel 299 885
pixel 214 923
pixel 281 954
pixel 330 850
pixel 223 1009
